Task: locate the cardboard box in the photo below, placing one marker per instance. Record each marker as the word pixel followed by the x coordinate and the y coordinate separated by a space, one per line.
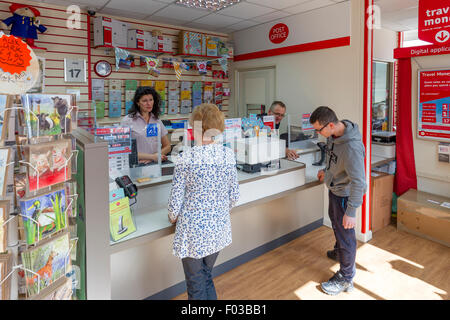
pixel 424 215
pixel 136 39
pixel 119 33
pixel 103 31
pixel 167 44
pixel 381 199
pixel 150 41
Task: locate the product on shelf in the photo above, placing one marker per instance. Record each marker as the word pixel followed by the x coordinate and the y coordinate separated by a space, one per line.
pixel 49 260
pixel 191 43
pixel 48 114
pixel 49 163
pixel 44 215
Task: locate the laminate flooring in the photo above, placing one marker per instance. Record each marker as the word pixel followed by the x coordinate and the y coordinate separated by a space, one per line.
pixel 393 265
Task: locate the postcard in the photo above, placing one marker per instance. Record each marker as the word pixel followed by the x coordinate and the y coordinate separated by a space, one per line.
pixel 50 163
pixel 48 114
pixel 61 289
pixel 4 215
pixel 5 101
pixel 49 262
pixel 5 154
pixel 44 215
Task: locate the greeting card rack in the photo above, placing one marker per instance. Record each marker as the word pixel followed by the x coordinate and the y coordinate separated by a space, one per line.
pixel 41 202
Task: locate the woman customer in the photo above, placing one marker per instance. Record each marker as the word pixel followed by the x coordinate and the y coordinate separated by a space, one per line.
pixel 144 111
pixel 204 189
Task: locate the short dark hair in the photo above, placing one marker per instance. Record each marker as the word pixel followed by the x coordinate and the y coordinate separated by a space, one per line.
pixel 323 115
pixel 140 92
pixel 280 103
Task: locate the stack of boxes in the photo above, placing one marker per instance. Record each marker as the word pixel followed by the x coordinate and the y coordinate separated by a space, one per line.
pixel 110 32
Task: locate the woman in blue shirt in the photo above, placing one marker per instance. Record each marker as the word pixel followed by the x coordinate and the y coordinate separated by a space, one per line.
pixel 204 189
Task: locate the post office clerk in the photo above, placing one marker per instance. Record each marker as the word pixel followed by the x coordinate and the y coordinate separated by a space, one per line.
pixel 146 110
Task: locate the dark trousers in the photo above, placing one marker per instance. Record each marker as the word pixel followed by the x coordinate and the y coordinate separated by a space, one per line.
pixel 345 238
pixel 199 283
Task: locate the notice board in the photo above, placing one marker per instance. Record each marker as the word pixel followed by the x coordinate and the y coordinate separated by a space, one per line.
pixel 433 121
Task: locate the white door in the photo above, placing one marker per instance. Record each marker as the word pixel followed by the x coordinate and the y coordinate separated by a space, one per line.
pixel 254 88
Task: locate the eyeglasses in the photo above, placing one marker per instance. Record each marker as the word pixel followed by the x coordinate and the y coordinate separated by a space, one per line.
pixel 321 128
pixel 279 114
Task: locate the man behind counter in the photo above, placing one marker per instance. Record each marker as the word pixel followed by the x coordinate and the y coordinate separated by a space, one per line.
pixel 145 110
pixel 278 109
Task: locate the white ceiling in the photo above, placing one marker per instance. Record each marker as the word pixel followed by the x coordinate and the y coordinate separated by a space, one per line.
pixel 397 15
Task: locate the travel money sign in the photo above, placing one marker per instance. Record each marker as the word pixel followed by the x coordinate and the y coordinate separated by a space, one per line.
pixel 434 21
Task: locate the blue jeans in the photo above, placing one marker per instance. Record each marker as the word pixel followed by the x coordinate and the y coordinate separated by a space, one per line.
pixel 345 238
pixel 199 283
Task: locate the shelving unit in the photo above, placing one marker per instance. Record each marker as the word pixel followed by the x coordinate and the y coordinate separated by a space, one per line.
pixel 136 49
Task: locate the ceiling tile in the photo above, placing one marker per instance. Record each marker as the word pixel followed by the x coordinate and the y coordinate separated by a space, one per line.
pixel 180 13
pixel 122 13
pixel 242 25
pixel 390 6
pixel 81 3
pixel 201 26
pixel 146 7
pixel 307 6
pixel 278 4
pixel 218 20
pixel 165 20
pixel 271 16
pixel 245 10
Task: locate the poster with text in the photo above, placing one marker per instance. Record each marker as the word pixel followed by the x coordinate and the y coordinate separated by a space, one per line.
pixel 434 105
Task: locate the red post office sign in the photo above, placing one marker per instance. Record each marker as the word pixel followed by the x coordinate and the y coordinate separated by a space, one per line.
pixel 434 21
pixel 278 33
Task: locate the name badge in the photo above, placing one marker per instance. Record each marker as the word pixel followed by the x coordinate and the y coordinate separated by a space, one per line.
pixel 152 130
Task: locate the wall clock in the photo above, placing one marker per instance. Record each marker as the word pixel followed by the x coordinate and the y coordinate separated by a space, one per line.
pixel 102 68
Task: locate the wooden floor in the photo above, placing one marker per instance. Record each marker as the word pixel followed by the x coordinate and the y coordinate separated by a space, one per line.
pixel 393 265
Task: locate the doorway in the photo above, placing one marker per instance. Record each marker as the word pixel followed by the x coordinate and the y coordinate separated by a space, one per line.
pixel 255 90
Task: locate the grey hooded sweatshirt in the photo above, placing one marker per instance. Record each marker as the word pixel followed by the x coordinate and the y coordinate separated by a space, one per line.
pixel 344 171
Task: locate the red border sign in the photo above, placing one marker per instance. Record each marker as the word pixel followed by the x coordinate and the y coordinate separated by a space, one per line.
pixel 278 33
pixel 434 21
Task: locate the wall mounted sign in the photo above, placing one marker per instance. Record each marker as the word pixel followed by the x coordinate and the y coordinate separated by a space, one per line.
pixel 434 105
pixel 74 70
pixel 434 21
pixel 19 66
pixel 278 33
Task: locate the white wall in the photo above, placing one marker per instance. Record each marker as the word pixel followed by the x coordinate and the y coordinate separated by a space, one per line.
pixel 432 176
pixel 384 43
pixel 307 80
pixel 332 77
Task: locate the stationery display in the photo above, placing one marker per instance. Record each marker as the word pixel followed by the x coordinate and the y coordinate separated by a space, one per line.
pixel 98 89
pixel 48 114
pixel 49 260
pixel 120 219
pixel 44 197
pixel 130 90
pixel 115 98
pixel 44 215
pixel 218 94
pixel 208 92
pixel 196 94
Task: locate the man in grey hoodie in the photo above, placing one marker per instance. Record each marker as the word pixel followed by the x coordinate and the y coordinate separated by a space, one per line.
pixel 344 176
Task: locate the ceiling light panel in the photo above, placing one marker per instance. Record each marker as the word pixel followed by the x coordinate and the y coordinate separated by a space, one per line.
pixel 211 5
